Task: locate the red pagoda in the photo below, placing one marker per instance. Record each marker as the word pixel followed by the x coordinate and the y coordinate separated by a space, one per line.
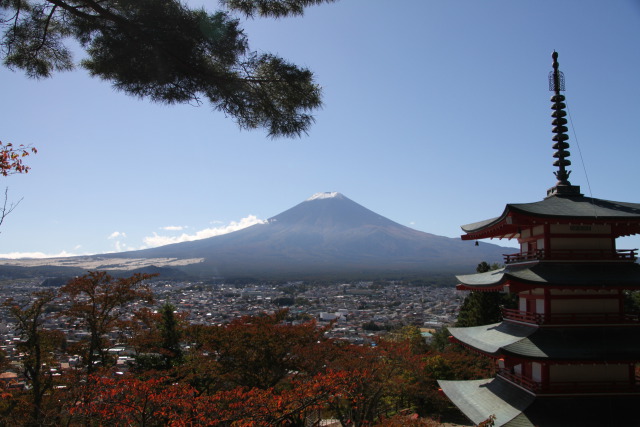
pixel 567 356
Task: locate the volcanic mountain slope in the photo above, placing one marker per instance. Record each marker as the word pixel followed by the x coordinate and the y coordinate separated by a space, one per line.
pixel 326 234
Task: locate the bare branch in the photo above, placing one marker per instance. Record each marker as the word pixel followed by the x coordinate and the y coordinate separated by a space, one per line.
pixel 7 207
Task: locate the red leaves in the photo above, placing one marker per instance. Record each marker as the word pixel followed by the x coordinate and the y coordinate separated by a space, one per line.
pixel 11 158
pixel 261 351
pixel 97 301
pixel 131 401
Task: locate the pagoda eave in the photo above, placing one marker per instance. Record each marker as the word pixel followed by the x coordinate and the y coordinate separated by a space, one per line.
pixel 497 288
pixel 588 344
pixel 551 275
pixel 623 217
pixel 491 339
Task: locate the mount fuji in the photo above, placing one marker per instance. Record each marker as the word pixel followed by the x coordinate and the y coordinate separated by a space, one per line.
pixel 328 236
pixel 325 235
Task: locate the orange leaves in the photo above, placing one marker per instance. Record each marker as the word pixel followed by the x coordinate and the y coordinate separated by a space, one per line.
pixel 11 158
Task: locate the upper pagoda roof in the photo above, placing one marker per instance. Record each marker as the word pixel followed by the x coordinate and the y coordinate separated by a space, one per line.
pixel 559 344
pixel 559 208
pixel 564 203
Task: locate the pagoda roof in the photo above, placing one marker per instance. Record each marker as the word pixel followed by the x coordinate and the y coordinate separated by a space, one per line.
pixel 480 399
pixel 557 344
pixel 575 208
pixel 625 275
pixel 514 407
pixel 491 339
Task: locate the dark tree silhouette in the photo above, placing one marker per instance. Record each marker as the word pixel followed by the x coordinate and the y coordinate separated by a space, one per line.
pixel 167 52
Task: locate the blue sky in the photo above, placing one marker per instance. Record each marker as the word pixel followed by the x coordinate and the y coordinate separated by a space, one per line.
pixel 436 114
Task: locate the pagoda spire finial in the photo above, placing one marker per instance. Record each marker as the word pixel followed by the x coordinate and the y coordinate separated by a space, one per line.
pixel 556 84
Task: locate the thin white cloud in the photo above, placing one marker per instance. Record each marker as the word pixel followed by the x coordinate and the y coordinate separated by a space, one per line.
pixel 149 242
pixel 17 255
pixel 173 228
pixel 157 240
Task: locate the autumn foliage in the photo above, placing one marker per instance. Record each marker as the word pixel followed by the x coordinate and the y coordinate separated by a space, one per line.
pixel 11 158
pixel 261 370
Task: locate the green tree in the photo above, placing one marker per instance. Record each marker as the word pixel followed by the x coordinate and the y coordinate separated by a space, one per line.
pixel 156 337
pixel 440 340
pixel 412 336
pixel 169 53
pixel 482 308
pixel 484 266
pixel 171 335
pixel 632 301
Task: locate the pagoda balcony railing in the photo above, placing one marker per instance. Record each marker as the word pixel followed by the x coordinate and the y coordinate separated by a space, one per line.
pixel 569 318
pixel 571 387
pixel 572 254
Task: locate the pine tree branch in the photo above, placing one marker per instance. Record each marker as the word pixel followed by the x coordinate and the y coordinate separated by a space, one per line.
pixel 74 10
pixel 15 27
pixel 45 31
pixel 104 13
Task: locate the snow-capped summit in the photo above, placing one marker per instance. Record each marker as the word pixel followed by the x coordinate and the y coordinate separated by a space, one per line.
pixel 325 195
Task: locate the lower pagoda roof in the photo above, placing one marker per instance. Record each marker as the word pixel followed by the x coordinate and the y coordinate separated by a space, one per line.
pixel 514 407
pixel 480 399
pixel 576 344
pixel 618 275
